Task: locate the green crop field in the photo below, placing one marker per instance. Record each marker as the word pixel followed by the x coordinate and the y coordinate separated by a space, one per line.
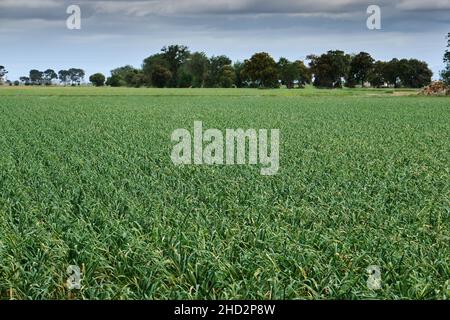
pixel 86 179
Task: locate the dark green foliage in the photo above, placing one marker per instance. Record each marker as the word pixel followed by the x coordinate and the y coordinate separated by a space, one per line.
pixel 360 67
pixel 216 70
pixel 445 74
pixel 330 69
pixel 161 76
pixel 262 70
pixel 414 73
pixel 197 66
pixel 376 76
pixel 36 77
pixel 97 79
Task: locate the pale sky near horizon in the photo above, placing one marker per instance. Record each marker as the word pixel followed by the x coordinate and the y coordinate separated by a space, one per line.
pixel 33 33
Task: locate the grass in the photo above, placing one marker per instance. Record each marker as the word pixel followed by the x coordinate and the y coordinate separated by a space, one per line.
pixel 107 91
pixel 86 179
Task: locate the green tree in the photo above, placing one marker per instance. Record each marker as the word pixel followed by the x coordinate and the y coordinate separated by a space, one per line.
pixel 161 76
pixel 3 73
pixel 392 72
pixel 175 56
pixel 360 68
pixel 49 75
pixel 304 74
pixel 185 79
pixel 414 73
pixel 292 72
pixel 227 77
pixel 330 69
pixel 76 76
pixel 25 80
pixel 445 74
pixel 289 72
pixel 124 76
pixel 240 80
pixel 36 77
pixel 97 79
pixel 261 69
pixel 152 62
pixel 197 67
pixel 216 67
pixel 114 81
pixel 64 76
pixel 139 79
pixel 376 75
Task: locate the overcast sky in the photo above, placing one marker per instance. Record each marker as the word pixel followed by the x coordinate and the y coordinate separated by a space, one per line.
pixel 113 33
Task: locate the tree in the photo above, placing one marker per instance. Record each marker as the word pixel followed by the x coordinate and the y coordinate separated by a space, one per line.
pixel 185 79
pixel 64 76
pixel 304 75
pixel 161 76
pixel 391 72
pixel 36 77
pixel 376 75
pixel 97 79
pixel 139 79
pixel 175 56
pixel 3 73
pixel 261 69
pixel 216 67
pixel 330 68
pixel 114 81
pixel 414 73
pixel 360 67
pixel 76 76
pixel 240 80
pixel 445 74
pixel 49 75
pixel 25 80
pixel 226 77
pixel 125 76
pixel 152 62
pixel 289 72
pixel 197 67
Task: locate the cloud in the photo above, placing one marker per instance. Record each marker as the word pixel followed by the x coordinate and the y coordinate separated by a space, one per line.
pixel 200 7
pixel 424 5
pixel 29 4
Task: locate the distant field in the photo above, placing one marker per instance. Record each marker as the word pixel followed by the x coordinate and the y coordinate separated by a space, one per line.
pixel 92 91
pixel 86 179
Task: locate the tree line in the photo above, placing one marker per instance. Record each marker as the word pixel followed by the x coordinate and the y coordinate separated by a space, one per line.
pixel 72 76
pixel 176 66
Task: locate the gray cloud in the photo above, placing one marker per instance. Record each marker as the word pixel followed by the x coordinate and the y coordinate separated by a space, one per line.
pixel 123 32
pixel 54 9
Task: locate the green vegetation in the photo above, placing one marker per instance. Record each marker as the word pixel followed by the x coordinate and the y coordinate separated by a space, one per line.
pixel 445 74
pixel 176 67
pixel 86 179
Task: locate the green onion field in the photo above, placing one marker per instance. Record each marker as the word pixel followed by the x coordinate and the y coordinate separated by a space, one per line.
pixel 86 179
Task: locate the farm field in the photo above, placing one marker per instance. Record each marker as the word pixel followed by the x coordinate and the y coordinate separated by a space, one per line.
pixel 86 179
